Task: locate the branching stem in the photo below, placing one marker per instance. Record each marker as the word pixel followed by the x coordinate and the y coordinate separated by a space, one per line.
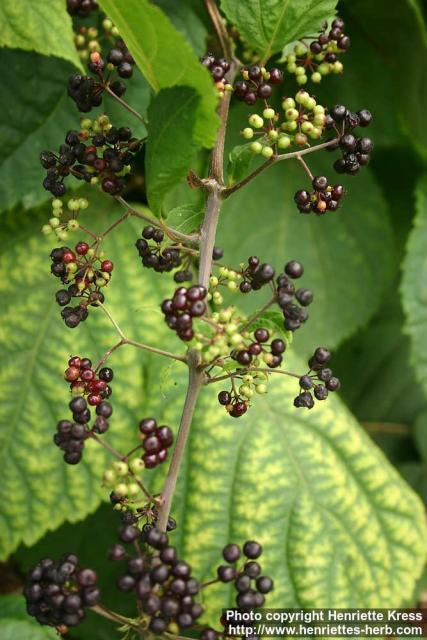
pixel 125 104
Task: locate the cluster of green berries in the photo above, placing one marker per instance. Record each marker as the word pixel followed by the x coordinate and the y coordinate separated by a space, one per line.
pixel 57 593
pixel 256 84
pixel 87 39
pixel 85 273
pixel 64 219
pixel 98 153
pixel 122 479
pixel 86 381
pixel 303 121
pixel 250 277
pixel 71 435
pixel 323 198
pixel 319 380
pixel 320 57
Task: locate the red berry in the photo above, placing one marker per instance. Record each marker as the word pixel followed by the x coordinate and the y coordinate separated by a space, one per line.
pixel 74 361
pixel 88 375
pixel 94 399
pixel 68 257
pixel 107 266
pixel 71 374
pixel 82 248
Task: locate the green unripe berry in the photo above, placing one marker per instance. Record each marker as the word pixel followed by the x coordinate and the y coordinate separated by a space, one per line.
pixel 269 113
pixel 306 127
pixel 291 114
pixel 136 465
pixel 246 391
pixel 291 67
pixel 54 222
pixel 288 103
pixel 133 489
pixel 261 388
pixel 300 71
pixel 337 67
pixel 232 286
pixel 248 133
pixel 318 109
pixel 72 225
pixel 71 267
pixel 121 490
pixel 291 57
pixel 310 103
pixel 83 203
pixel 302 97
pixel 86 124
pixel 273 135
pixel 109 477
pixel 268 358
pixel 315 133
pixel 61 234
pixel 115 32
pixel 213 281
pixel 46 229
pixel 300 50
pixel 316 77
pixel 56 203
pixel 267 152
pixel 121 468
pixel 284 142
pixel 302 80
pixel 290 126
pixel 256 121
pixel 107 24
pixel 256 147
pixel 319 120
pixel 324 69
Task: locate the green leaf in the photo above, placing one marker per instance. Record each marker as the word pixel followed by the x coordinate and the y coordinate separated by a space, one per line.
pixel 170 144
pixel 268 25
pixel 35 346
pixel 186 21
pixel 15 623
pixel 414 285
pixel 36 25
pixel 332 513
pixel 165 58
pixel 184 218
pixel 391 27
pixel 37 115
pixel 377 359
pixel 272 320
pixel 239 162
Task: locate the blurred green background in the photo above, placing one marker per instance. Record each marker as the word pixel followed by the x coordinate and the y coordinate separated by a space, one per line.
pixel 367 266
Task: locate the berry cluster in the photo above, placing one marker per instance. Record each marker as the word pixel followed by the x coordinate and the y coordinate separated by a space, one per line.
pixel 85 381
pixel 321 57
pixel 273 358
pixel 294 314
pixel 70 436
pixel 105 159
pixel 153 255
pixel 218 68
pixel 256 84
pixel 81 8
pixel 304 120
pixel 62 222
pixel 85 273
pixel 180 310
pixel 251 586
pixel 256 275
pixel 234 403
pixel 155 442
pixel 323 198
pixel 58 592
pixel 355 151
pixel 319 380
pixel 162 582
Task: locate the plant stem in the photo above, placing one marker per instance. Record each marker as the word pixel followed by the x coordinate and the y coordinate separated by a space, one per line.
pixel 125 104
pixel 268 163
pixel 305 166
pixel 103 611
pixel 172 233
pixel 258 314
pixel 124 340
pixel 195 381
pixel 220 29
pixel 196 376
